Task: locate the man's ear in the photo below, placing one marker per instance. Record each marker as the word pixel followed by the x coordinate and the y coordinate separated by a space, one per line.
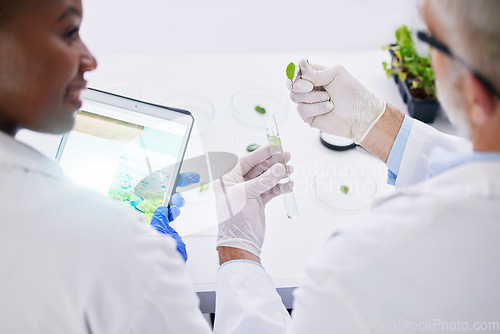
pixel 480 99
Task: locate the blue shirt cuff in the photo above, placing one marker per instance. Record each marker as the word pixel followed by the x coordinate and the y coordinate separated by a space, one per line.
pixel 241 260
pixel 398 148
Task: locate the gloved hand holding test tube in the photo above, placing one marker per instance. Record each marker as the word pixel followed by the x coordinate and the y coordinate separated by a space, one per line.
pixel 277 157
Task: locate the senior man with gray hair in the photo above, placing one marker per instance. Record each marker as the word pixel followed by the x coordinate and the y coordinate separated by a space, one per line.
pixel 424 259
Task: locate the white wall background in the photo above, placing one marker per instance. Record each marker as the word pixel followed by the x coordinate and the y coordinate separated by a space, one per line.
pixel 241 26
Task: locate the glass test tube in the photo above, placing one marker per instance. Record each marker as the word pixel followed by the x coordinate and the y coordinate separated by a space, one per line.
pixel 274 140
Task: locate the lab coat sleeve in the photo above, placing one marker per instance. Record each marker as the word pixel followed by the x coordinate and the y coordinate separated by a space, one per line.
pixel 423 138
pixel 321 303
pixel 321 306
pixel 398 148
pixel 337 293
pixel 169 304
pixel 145 289
pixel 247 301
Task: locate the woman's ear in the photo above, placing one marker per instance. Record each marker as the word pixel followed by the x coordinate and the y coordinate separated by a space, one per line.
pixel 480 100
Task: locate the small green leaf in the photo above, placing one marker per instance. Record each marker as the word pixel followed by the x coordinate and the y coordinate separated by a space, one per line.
pixel 290 71
pixel 344 189
pixel 260 110
pixel 204 187
pixel 252 147
pixel 397 53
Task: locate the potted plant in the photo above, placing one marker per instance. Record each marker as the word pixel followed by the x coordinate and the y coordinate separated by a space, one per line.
pixel 414 76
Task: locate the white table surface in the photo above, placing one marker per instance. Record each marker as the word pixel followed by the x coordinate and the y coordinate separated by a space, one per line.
pixel 289 244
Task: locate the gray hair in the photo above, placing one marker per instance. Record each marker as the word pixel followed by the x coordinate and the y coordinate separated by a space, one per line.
pixel 474 31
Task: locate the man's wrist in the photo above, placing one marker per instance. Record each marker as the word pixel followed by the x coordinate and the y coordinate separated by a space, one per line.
pixel 230 253
pixel 381 138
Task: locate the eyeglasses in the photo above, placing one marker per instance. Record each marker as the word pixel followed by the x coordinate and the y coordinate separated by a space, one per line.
pixel 425 37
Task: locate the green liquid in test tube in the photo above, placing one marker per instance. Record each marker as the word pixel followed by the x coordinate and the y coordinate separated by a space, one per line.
pixel 274 139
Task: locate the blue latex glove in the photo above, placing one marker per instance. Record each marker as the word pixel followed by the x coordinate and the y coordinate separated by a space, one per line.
pixel 163 215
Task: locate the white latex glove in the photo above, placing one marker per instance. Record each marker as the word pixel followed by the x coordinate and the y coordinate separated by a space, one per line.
pixel 332 100
pixel 248 187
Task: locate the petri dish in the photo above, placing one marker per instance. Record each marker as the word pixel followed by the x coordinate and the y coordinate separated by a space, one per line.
pixel 244 102
pixel 345 192
pixel 245 138
pixel 201 108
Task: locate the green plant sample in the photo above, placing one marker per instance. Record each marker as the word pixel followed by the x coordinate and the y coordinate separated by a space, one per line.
pixel 290 71
pixel 274 140
pixel 252 147
pixel 260 110
pixel 204 187
pixel 344 189
pixel 411 68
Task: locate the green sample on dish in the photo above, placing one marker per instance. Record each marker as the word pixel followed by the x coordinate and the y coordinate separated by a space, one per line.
pixel 260 110
pixel 344 189
pixel 252 147
pixel 204 187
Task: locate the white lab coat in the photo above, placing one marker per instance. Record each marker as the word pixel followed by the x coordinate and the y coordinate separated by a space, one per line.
pixel 424 259
pixel 72 261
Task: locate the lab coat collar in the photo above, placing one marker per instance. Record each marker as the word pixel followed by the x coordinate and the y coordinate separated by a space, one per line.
pixel 441 160
pixel 15 154
pixel 473 179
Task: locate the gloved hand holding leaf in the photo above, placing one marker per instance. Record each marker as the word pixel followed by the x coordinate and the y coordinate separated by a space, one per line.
pixel 332 100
